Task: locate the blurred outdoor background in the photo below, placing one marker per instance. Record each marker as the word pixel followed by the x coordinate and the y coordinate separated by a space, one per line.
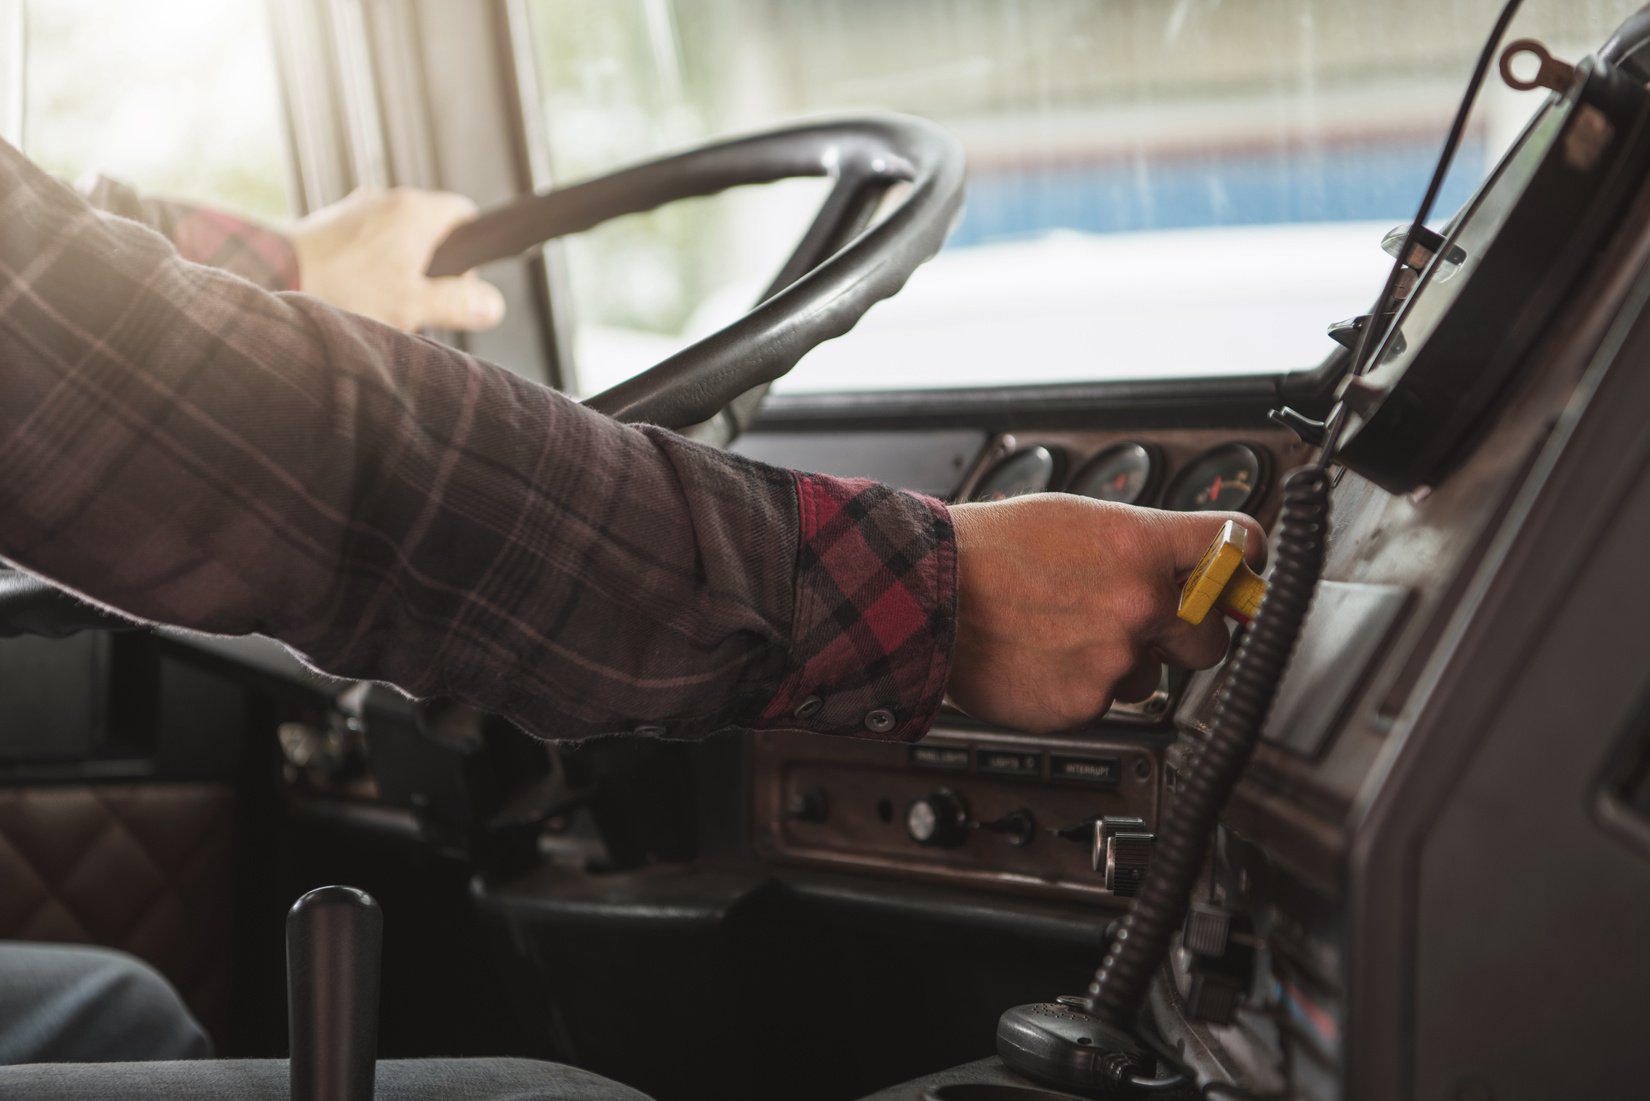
pixel 1158 187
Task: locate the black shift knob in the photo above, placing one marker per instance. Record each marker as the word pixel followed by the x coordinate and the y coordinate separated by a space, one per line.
pixel 334 938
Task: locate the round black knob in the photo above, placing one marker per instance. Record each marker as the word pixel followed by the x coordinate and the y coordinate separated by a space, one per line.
pixel 939 819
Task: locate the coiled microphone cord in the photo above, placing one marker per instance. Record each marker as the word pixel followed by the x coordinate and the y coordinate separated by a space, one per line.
pixel 1120 985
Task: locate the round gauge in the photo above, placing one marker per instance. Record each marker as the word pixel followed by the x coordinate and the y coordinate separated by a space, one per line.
pixel 1125 474
pixel 1030 470
pixel 1229 478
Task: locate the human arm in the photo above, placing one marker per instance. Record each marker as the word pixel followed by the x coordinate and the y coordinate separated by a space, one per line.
pixel 366 253
pixel 189 449
pixel 185 447
pixel 256 252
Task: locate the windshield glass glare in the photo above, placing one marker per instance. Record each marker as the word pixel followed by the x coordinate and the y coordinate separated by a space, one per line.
pixel 1158 188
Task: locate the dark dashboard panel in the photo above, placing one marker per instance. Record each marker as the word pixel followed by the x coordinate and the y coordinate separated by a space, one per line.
pixel 1028 806
pixel 1423 839
pixel 931 462
pixel 1001 811
pixel 1436 858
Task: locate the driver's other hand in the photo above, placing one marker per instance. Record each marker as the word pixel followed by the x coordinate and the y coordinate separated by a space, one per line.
pixel 1065 604
pixel 368 253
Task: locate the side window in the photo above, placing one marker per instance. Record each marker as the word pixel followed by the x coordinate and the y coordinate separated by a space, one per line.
pixel 177 98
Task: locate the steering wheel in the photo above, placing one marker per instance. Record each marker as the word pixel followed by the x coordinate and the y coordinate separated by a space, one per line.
pixel 838 271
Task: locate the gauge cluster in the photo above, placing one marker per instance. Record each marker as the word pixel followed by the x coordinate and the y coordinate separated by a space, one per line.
pixel 1181 470
pixel 997 809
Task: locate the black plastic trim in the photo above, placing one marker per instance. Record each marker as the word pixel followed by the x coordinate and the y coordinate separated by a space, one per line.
pixel 1235 401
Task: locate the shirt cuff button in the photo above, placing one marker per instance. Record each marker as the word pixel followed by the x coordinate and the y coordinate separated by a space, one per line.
pixel 880 721
pixel 809 707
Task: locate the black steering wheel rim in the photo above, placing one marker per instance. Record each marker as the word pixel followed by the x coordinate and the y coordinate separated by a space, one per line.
pixel 841 268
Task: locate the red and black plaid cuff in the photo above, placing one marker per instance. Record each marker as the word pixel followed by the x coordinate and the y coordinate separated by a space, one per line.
pixel 241 247
pixel 254 252
pixel 876 612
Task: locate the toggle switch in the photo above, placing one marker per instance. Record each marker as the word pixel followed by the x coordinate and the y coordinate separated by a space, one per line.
pixel 808 805
pixel 1017 827
pixel 1080 834
pixel 1223 580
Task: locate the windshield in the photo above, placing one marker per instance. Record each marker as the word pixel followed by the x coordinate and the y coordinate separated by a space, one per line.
pixel 1158 188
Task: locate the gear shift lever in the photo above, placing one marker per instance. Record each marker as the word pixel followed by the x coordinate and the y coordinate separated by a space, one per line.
pixel 334 938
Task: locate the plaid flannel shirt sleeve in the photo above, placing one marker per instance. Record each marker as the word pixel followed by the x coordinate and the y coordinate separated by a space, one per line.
pixel 254 252
pixel 188 448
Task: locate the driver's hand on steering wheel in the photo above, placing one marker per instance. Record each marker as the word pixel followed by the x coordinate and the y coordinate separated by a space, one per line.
pixel 1065 604
pixel 368 253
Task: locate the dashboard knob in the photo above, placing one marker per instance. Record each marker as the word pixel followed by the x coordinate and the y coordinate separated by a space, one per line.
pixel 1108 827
pixel 940 819
pixel 1128 855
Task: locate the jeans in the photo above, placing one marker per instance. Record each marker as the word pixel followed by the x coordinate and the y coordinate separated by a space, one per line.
pixel 63 1004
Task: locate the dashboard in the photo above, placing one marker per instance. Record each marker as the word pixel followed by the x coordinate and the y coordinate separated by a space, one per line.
pixel 993 809
pixel 1430 873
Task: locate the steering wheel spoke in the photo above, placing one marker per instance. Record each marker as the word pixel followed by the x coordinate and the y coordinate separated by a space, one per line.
pixel 846 212
pixel 842 266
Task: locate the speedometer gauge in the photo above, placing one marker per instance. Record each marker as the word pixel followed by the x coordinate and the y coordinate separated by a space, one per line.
pixel 1126 473
pixel 1030 470
pixel 1231 477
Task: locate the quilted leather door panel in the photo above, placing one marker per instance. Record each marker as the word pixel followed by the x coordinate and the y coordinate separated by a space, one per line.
pixel 146 868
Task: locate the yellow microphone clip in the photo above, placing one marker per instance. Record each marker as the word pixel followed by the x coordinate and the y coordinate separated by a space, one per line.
pixel 1223 580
